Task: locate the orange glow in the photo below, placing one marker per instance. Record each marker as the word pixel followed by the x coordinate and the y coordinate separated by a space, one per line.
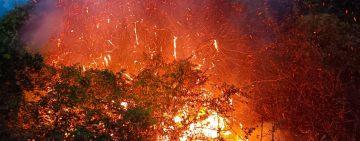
pixel 114 36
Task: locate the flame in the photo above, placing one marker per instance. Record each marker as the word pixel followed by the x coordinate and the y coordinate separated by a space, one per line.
pixel 123 47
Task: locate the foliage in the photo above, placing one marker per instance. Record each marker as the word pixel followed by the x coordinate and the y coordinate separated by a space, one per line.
pixel 100 105
pixel 15 66
pixel 310 84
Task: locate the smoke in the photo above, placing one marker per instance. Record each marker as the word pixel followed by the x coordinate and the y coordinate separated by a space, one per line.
pixel 44 23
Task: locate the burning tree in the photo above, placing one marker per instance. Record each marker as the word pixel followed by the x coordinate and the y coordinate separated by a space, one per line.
pixel 306 80
pixel 164 101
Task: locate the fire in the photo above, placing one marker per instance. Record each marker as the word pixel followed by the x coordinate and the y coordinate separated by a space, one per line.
pixel 134 30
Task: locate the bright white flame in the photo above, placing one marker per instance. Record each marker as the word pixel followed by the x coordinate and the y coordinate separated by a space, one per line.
pixel 209 127
pixel 124 104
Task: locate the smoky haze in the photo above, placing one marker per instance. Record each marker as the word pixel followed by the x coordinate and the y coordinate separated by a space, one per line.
pixel 46 20
pixel 44 24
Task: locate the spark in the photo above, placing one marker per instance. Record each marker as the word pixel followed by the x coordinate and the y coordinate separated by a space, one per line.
pixel 96 39
pixel 59 40
pixel 109 57
pixel 175 38
pixel 155 31
pixel 110 42
pixel 111 50
pixel 137 42
pixel 106 61
pixel 128 76
pixel 216 46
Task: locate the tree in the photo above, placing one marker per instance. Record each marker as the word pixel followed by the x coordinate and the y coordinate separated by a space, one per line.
pixel 309 85
pixel 16 65
pixel 100 105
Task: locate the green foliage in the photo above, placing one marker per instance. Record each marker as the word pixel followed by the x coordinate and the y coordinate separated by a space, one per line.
pixel 15 67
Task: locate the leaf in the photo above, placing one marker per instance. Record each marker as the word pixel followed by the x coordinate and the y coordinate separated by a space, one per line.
pixel 6 56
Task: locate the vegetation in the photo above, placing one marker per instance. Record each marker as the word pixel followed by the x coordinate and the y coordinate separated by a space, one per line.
pixel 100 105
pixel 306 82
pixel 16 65
pixel 310 83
